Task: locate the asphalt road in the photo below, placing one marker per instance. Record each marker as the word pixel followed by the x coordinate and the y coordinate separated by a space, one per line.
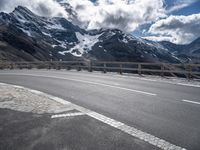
pixel 168 111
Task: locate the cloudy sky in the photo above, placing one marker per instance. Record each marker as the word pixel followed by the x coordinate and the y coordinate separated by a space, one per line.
pixel 177 21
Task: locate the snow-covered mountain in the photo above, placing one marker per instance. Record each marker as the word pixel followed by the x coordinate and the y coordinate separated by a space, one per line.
pixel 26 36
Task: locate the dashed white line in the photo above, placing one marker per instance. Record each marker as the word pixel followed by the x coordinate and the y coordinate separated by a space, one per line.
pixel 160 143
pixel 89 82
pixel 189 101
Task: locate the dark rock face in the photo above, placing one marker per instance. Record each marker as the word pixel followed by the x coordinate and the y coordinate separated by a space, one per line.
pixel 25 36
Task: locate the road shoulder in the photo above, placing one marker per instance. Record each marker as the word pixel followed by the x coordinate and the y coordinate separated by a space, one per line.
pixel 26 122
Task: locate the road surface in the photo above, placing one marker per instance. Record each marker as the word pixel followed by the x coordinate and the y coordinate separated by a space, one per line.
pixel 165 110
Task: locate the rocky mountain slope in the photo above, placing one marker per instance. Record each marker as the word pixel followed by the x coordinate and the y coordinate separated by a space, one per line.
pixel 187 53
pixel 25 36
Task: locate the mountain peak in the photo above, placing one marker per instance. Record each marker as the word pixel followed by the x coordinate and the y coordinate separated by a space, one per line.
pixel 23 10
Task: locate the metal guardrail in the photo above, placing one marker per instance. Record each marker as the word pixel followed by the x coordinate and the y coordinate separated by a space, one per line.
pixel 164 69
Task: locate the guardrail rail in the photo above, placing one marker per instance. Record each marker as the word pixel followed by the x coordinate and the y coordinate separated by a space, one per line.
pixel 189 71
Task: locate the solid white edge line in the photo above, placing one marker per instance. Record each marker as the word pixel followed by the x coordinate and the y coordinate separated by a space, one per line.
pixel 68 115
pixel 190 85
pixel 88 82
pixel 35 91
pixel 189 101
pixel 151 139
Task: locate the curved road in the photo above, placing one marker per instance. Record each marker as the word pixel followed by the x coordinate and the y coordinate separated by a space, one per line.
pixel 168 111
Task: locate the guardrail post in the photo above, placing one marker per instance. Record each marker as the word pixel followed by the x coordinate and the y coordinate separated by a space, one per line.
pixel 189 75
pixel 140 69
pixel 90 66
pixel 29 66
pixel 49 65
pixel 78 68
pixel 38 65
pixel 53 65
pixel 57 65
pixel 1 66
pixel 104 67
pixel 120 71
pixel 20 66
pixel 162 70
pixel 11 66
pixel 68 67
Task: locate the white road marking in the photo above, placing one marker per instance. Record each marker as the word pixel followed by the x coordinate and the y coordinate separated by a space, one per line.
pixel 145 79
pixel 59 100
pixel 191 85
pixel 35 91
pixel 139 78
pixel 67 115
pixel 151 139
pixel 116 84
pixel 193 102
pixel 3 84
pixel 16 86
pixel 88 82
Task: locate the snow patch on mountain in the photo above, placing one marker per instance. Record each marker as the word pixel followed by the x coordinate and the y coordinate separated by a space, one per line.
pixel 85 44
pixel 110 34
pixel 27 32
pixel 155 44
pixel 47 34
pixel 19 17
pixel 125 40
pixel 55 26
pixel 62 44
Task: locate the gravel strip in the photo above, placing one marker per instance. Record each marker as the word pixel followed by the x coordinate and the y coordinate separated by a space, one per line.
pixel 20 99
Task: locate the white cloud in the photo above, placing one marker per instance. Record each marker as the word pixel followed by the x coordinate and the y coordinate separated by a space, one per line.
pixel 157 38
pixel 177 29
pixel 40 7
pixel 180 4
pixel 126 15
